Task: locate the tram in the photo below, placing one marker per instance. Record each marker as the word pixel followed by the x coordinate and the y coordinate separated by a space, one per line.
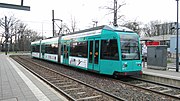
pixel 105 49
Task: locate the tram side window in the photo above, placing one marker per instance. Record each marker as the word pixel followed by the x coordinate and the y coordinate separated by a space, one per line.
pixel 79 49
pixel 54 48
pixel 51 48
pixel 36 48
pixel 47 48
pixel 42 48
pixel 61 49
pixel 109 49
pixel 33 48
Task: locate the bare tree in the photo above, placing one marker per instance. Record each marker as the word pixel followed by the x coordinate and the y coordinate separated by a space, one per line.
pixel 18 34
pixel 28 37
pixel 1 40
pixel 25 36
pixel 114 10
pixel 133 25
pixel 11 23
pixel 73 24
pixel 147 30
pixel 32 35
pixel 1 36
pixel 151 29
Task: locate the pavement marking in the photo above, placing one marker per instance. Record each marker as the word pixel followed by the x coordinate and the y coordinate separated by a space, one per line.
pixel 36 91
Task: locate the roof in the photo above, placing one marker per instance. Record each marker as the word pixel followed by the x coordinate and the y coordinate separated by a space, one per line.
pixel 120 28
pixel 51 40
pixel 35 42
pixel 106 27
pixel 157 38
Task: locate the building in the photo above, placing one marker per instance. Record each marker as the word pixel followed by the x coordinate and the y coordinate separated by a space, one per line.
pixel 163 33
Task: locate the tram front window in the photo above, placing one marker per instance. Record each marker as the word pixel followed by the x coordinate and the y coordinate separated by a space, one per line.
pixel 129 47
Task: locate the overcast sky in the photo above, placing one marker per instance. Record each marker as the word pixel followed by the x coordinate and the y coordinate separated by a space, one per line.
pixel 85 11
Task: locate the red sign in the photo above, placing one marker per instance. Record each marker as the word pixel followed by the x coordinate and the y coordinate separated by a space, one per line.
pixel 153 43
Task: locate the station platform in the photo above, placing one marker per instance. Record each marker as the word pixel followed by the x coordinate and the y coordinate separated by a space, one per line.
pixel 168 76
pixel 170 72
pixel 18 84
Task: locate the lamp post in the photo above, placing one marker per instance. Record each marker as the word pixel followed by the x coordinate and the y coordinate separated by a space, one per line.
pixel 177 28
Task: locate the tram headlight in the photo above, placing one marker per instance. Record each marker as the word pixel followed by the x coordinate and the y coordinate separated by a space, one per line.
pixel 124 65
pixel 139 65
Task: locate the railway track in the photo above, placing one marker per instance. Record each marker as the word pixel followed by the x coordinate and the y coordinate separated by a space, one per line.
pixel 163 89
pixel 71 88
pixel 130 89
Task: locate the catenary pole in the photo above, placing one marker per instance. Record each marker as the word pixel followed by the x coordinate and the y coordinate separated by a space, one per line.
pixel 115 13
pixel 22 2
pixel 53 22
pixel 177 30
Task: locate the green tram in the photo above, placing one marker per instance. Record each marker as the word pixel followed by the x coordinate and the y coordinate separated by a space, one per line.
pixel 104 49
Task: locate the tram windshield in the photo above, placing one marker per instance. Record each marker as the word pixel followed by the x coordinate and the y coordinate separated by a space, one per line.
pixel 129 47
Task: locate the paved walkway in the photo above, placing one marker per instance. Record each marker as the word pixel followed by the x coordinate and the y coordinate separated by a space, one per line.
pixel 18 84
pixel 169 73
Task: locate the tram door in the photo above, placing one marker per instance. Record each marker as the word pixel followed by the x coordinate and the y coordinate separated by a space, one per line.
pixel 42 50
pixel 93 62
pixel 65 54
